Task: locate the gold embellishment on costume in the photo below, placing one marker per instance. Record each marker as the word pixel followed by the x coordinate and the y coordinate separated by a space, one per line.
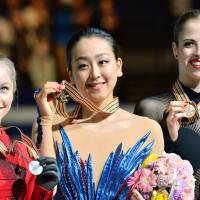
pixel 70 92
pixel 3 149
pixel 192 110
pixel 32 150
pixel 32 153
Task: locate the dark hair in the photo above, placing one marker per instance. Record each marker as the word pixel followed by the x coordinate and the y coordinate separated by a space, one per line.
pixel 178 27
pixel 89 32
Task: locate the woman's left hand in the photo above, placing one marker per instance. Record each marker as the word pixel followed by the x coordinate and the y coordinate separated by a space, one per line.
pixel 46 98
pixel 175 111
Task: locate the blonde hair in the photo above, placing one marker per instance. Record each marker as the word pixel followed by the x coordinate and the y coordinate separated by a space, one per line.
pixel 10 65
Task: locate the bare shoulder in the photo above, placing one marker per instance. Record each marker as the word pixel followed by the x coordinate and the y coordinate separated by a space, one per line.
pixel 125 114
pixel 141 125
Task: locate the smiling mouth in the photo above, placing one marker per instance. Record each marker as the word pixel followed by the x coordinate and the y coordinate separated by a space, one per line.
pixel 93 85
pixel 195 64
pixel 96 86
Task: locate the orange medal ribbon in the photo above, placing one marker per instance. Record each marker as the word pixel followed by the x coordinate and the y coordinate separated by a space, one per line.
pixel 70 92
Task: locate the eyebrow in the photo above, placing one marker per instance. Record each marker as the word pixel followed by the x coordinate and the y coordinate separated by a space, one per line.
pixel 85 57
pixel 188 39
pixel 4 83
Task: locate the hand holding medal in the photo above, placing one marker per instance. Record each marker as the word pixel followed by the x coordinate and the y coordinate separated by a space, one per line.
pixel 189 110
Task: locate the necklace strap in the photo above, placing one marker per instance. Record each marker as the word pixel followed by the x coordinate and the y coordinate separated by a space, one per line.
pixel 70 92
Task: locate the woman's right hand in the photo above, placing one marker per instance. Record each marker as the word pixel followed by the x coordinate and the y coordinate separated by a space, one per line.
pixel 46 98
pixel 175 111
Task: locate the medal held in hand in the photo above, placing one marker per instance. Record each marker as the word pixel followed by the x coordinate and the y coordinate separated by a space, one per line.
pixel 35 168
pixel 63 96
pixel 189 110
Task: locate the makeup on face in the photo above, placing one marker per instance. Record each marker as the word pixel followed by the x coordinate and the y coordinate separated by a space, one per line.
pixel 6 91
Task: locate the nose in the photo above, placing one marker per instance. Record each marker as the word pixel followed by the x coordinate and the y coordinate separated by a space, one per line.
pixel 95 72
pixel 197 52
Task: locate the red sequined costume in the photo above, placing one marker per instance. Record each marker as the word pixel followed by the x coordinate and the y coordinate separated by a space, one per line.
pixel 16 181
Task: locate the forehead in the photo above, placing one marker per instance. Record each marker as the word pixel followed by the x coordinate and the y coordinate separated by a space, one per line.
pixel 191 28
pixel 91 45
pixel 5 73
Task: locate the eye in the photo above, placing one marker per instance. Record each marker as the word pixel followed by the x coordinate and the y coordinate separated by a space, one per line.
pixel 103 62
pixel 4 89
pixel 188 44
pixel 82 66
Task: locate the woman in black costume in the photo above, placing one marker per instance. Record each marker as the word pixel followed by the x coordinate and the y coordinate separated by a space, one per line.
pixel 178 111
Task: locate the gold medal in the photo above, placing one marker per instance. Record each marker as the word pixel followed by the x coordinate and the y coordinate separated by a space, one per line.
pixel 63 96
pixel 198 108
pixel 189 111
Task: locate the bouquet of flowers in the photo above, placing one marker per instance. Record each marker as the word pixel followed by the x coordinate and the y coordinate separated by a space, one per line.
pixel 162 178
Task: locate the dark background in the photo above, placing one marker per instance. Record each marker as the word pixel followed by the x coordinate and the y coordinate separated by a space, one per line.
pixel 34 34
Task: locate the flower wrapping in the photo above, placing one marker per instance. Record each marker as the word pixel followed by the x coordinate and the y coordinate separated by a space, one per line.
pixel 165 177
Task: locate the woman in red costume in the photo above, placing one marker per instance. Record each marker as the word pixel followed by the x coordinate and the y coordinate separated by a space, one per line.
pixel 20 178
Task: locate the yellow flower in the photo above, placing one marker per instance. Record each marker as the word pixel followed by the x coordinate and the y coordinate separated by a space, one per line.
pixel 151 158
pixel 162 195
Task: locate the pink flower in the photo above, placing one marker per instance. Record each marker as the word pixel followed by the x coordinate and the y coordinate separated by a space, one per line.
pixel 165 169
pixel 143 180
pixel 184 169
pixel 168 172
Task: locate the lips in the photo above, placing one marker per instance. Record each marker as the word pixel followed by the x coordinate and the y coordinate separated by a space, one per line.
pixel 195 64
pixel 96 85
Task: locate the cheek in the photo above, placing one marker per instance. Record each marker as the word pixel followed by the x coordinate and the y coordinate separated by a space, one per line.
pixel 79 82
pixel 9 100
pixel 111 73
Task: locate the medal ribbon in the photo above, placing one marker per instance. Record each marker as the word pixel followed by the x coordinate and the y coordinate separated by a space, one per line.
pixel 25 141
pixel 180 95
pixel 74 94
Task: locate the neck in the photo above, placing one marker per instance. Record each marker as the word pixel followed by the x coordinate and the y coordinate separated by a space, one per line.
pixel 104 109
pixel 193 84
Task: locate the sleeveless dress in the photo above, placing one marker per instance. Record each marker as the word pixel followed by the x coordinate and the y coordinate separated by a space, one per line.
pixel 76 181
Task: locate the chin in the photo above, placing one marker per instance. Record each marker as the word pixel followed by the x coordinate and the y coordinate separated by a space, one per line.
pixel 97 99
pixel 195 77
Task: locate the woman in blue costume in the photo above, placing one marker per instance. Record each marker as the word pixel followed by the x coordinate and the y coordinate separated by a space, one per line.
pixel 88 142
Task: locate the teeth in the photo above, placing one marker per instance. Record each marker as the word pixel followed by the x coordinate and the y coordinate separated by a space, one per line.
pixel 196 63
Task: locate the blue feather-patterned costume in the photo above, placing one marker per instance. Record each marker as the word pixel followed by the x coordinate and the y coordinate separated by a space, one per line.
pixel 76 181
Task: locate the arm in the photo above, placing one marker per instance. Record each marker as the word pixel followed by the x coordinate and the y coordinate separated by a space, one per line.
pixel 41 193
pixel 45 100
pixel 47 180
